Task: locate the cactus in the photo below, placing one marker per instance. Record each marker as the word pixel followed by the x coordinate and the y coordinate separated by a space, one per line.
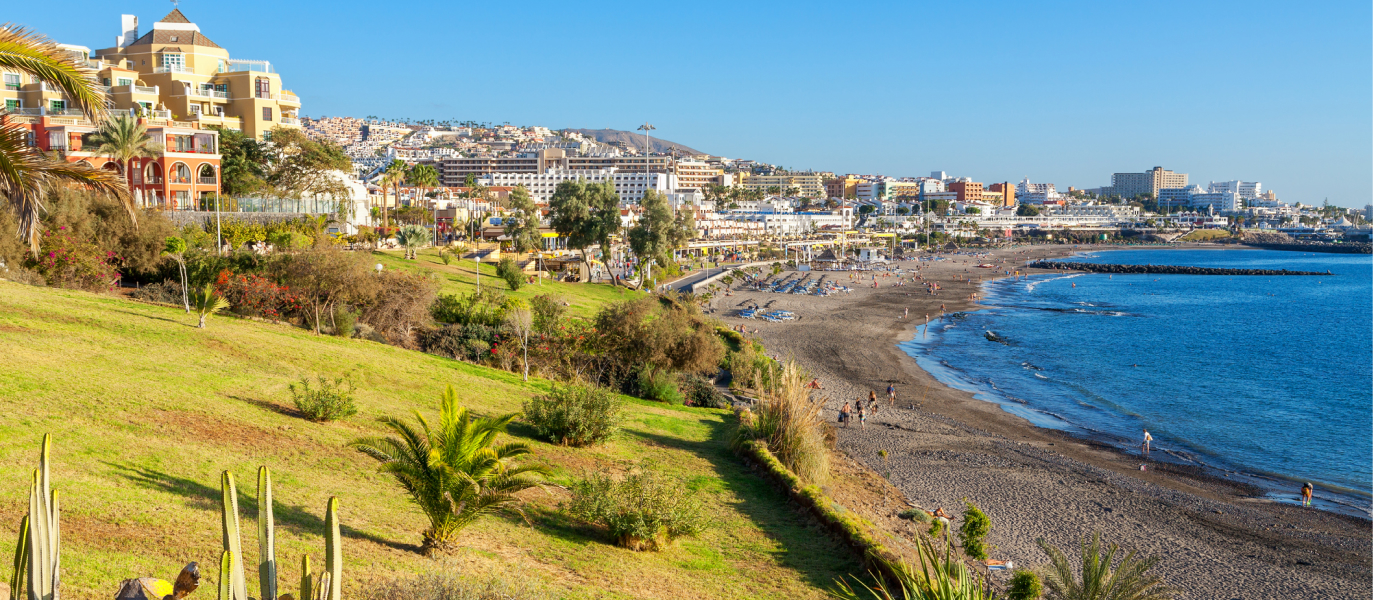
pixel 226 583
pixel 267 556
pixel 322 589
pixel 334 562
pixel 305 577
pixel 21 561
pixel 229 503
pixel 43 541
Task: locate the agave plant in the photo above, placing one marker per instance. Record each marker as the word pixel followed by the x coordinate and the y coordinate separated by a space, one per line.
pixel 454 472
pixel 206 302
pixel 1097 579
pixel 413 237
pixel 938 576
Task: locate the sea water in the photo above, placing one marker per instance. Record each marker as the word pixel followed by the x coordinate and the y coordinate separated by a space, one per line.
pixel 1262 375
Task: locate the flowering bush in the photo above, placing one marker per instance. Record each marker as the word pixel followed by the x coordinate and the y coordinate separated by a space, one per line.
pixel 65 260
pixel 255 295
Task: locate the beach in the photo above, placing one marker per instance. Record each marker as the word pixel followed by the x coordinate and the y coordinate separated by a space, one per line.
pixel 1216 538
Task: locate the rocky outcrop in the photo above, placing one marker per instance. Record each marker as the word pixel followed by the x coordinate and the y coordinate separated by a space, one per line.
pixel 1160 269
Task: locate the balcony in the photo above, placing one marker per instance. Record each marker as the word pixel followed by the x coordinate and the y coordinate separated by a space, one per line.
pixel 182 180
pixel 173 69
pixel 143 89
pixel 258 66
pixel 290 121
pixel 206 180
pixel 209 94
pixel 288 97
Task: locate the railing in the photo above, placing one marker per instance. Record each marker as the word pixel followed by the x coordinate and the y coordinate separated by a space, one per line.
pixel 104 89
pixel 206 180
pixel 288 97
pixel 13 86
pixel 25 111
pixel 154 180
pixel 209 93
pixel 175 179
pixel 160 114
pixel 143 89
pixel 173 69
pixel 289 121
pixel 261 66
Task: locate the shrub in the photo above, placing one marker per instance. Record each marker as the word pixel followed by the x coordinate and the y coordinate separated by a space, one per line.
pixel 642 511
pixel 462 342
pixel 549 310
pixel 1025 585
pixel 699 391
pixel 332 400
pixel 399 304
pixel 289 240
pixel 487 307
pixel 445 585
pixel 344 320
pixel 509 272
pixel 973 532
pixel 658 385
pixel 68 260
pixel 166 292
pixel 576 415
pixel 790 423
pixel 915 514
pixel 257 296
pixel 19 274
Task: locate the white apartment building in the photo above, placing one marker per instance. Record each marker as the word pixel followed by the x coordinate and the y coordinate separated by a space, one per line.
pixel 796 223
pixel 1027 192
pixel 630 186
pixel 1195 197
pixel 1246 189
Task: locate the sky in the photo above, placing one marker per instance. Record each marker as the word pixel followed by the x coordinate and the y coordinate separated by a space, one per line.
pixel 1061 92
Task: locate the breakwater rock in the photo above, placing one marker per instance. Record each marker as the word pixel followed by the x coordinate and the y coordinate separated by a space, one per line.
pixel 1343 248
pixel 1161 269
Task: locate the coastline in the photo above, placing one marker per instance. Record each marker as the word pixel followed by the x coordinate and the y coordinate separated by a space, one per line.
pixel 1036 482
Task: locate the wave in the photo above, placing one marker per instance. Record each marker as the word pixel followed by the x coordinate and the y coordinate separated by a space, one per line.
pixel 1032 285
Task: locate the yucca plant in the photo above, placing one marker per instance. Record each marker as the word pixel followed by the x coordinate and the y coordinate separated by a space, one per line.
pixel 206 302
pixel 412 237
pixel 1097 578
pixel 938 576
pixel 454 472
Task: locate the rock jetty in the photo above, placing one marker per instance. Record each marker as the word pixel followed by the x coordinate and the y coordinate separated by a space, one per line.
pixel 1160 269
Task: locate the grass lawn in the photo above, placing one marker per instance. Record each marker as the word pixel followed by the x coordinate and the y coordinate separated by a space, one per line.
pixel 1204 235
pixel 584 298
pixel 146 411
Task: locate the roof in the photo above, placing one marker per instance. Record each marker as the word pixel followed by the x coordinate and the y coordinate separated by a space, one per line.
pixel 170 49
pixel 163 36
pixel 175 16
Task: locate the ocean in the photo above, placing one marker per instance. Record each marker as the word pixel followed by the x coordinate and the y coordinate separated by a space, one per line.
pixel 1269 378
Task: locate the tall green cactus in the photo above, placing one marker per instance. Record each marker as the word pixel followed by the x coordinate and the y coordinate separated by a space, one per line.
pixel 267 553
pixel 334 561
pixel 229 520
pixel 305 577
pixel 21 561
pixel 226 583
pixel 44 541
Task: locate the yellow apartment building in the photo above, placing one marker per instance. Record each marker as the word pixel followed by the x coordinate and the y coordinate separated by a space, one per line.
pixel 809 184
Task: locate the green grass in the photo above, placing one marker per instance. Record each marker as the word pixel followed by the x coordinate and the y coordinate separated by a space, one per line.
pixel 1203 235
pixel 584 298
pixel 146 410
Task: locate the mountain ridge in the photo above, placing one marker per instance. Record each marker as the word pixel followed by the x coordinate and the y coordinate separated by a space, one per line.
pixel 634 140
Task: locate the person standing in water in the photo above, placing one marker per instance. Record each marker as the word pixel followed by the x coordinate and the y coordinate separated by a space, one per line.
pixel 1307 494
pixel 1146 442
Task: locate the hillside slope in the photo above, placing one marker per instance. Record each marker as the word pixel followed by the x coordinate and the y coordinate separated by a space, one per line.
pixel 146 410
pixel 634 140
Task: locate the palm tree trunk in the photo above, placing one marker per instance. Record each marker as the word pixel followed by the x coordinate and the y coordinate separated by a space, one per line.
pixel 186 299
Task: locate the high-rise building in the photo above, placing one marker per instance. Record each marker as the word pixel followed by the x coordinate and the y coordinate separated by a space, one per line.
pixel 175 71
pixel 808 184
pixel 966 191
pixel 1246 189
pixel 1130 185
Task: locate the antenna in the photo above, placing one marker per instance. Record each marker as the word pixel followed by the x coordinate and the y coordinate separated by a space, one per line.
pixel 175 4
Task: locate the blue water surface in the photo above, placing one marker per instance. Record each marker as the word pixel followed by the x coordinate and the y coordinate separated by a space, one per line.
pixel 1266 375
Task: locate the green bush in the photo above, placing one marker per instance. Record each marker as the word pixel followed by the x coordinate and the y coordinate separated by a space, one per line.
pixel 332 400
pixel 289 240
pixel 471 342
pixel 548 310
pixel 510 273
pixel 915 514
pixel 699 391
pixel 973 532
pixel 642 511
pixel 1025 585
pixel 344 320
pixel 576 415
pixel 488 307
pixel 658 385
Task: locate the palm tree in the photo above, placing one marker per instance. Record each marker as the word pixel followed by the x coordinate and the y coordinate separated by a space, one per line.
pixel 413 237
pixel 454 473
pixel 27 173
pixel 393 176
pixel 207 302
pixel 123 138
pixel 1098 580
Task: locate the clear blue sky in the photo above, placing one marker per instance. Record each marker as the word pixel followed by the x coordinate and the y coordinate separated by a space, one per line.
pixel 1066 92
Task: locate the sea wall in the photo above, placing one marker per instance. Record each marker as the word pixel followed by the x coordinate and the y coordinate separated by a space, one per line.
pixel 1344 248
pixel 1160 269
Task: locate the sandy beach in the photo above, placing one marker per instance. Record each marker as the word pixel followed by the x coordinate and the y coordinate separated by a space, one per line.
pixel 1216 538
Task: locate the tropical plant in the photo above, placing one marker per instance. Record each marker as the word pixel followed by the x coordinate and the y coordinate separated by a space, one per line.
pixel 1097 579
pixel 412 237
pixel 423 176
pixel 938 576
pixel 790 422
pixel 577 414
pixel 1025 585
pixel 123 138
pixel 641 511
pixel 973 530
pixel 26 172
pixel 330 400
pixel 206 301
pixel 455 473
pixel 393 176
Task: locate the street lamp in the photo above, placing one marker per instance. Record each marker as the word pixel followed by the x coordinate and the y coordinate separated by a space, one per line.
pixel 647 128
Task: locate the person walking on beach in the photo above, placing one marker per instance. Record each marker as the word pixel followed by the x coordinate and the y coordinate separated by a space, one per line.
pixel 861 414
pixel 1146 442
pixel 844 417
pixel 1307 494
pixel 892 394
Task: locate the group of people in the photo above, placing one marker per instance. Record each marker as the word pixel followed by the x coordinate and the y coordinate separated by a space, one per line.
pixel 862 410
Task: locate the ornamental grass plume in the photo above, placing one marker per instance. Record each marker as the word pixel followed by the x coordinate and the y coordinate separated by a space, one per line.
pixel 790 422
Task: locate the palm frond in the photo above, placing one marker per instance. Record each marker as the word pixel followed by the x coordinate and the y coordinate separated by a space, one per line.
pixel 27 174
pixel 30 52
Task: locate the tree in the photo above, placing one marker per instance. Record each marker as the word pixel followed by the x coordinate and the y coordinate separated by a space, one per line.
pixel 27 174
pixel 454 472
pixel 243 163
pixel 1097 579
pixel 123 138
pixel 586 214
pixel 523 226
pixel 423 176
pixel 867 209
pixel 412 237
pixel 1028 210
pixel 393 176
pixel 299 167
pixel 207 303
pixel 175 248
pixel 522 323
pixel 773 190
pixel 323 278
pixel 650 238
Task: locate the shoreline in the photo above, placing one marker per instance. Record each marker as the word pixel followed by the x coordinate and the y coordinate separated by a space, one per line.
pixel 1271 487
pixel 1212 535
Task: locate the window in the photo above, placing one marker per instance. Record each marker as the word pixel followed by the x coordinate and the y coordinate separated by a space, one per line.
pixel 13 104
pixel 207 175
pixel 153 173
pixel 124 81
pixel 173 62
pixel 195 109
pixel 183 174
pixel 267 113
pixel 262 88
pixel 57 106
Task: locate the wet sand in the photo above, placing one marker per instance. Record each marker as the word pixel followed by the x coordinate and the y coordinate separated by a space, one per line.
pixel 1216 538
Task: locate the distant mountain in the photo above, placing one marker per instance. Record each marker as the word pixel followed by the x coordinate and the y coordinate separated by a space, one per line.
pixel 633 140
